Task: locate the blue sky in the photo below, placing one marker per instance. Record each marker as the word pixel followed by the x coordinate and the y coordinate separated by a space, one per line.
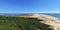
pixel 29 6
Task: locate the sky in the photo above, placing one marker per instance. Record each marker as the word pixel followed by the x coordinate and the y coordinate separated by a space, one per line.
pixel 29 6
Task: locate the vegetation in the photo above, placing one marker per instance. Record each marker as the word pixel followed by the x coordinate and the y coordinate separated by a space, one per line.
pixel 19 23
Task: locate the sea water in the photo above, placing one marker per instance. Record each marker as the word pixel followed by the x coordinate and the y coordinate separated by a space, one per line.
pixel 53 14
pixel 50 14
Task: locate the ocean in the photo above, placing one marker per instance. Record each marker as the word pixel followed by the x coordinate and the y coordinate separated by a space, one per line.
pixel 50 14
pixel 53 14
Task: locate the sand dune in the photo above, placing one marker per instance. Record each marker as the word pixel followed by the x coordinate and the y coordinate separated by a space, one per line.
pixel 49 20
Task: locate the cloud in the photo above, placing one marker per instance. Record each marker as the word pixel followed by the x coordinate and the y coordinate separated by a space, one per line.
pixel 50 11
